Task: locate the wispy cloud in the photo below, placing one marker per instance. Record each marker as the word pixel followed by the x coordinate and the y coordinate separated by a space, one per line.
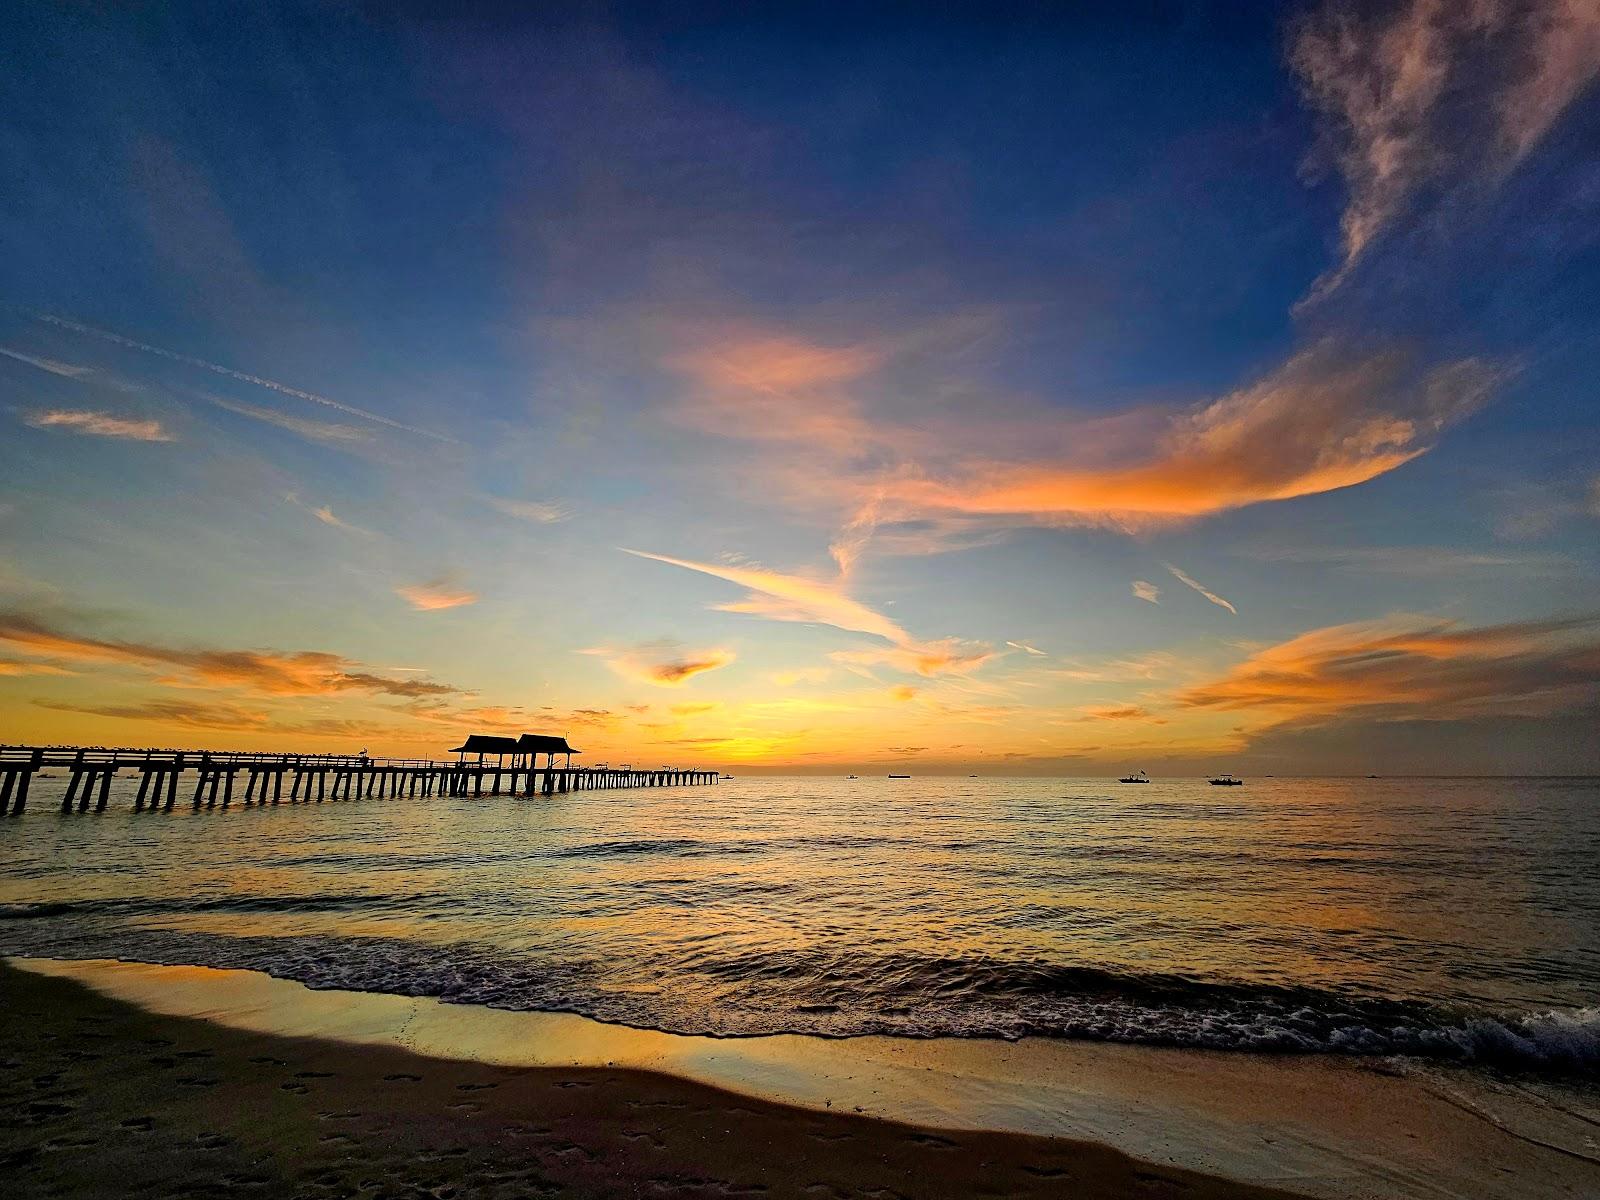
pixel 1119 712
pixel 1144 590
pixel 268 672
pixel 1322 421
pixel 1027 649
pixel 947 656
pixel 242 376
pixel 773 387
pixel 179 713
pixel 661 663
pixel 781 597
pixel 1189 581
pixel 326 432
pixel 536 511
pixel 55 367
pixel 436 594
pixel 1414 666
pixel 325 514
pixel 802 675
pixel 1428 93
pixel 1405 560
pixel 14 668
pixel 99 424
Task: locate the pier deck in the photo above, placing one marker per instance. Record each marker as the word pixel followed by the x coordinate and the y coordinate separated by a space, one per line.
pixel 212 779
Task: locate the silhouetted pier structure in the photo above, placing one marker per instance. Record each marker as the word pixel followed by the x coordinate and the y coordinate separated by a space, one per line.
pixel 209 779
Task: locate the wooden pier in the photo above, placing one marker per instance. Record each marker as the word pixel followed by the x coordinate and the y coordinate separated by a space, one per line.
pixel 198 779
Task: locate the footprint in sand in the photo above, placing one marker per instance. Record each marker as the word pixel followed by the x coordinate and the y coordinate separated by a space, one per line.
pixel 403 1077
pixel 933 1139
pixel 475 1087
pixel 1047 1172
pixel 140 1124
pixel 314 1075
pixel 471 1106
pixel 299 1089
pixel 69 1143
pixel 266 1060
pixel 214 1141
pixel 197 1081
pixel 571 1083
pixel 36 1112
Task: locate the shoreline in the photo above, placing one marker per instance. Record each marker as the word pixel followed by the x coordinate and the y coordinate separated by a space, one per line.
pixel 110 1098
pixel 1317 1128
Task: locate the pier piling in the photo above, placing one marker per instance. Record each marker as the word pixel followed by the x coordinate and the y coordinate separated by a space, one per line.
pixel 90 771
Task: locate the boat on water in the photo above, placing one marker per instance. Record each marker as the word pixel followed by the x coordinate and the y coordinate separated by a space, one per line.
pixel 899 777
pixel 1136 777
pixel 1226 781
pixel 850 776
pixel 727 776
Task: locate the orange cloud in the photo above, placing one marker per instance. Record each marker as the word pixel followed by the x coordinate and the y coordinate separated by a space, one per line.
pixel 99 424
pixel 772 387
pixel 1321 422
pixel 1413 666
pixel 436 594
pixel 268 672
pixel 780 597
pixel 657 663
pixel 948 656
pixel 171 712
pixel 1118 712
pixel 1144 590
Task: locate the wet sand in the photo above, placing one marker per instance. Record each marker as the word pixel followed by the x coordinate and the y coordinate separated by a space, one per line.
pixel 104 1098
pixel 608 1109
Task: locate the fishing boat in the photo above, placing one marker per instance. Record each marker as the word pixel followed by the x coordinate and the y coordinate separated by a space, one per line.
pixel 1226 781
pixel 727 776
pixel 1136 777
pixel 899 777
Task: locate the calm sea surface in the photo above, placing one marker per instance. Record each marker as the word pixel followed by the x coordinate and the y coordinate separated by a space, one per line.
pixel 1451 919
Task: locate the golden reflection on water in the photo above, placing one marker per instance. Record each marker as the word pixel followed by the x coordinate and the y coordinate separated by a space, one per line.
pixel 759 900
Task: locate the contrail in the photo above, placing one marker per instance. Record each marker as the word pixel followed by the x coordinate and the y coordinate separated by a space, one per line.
pixel 242 376
pixel 1197 586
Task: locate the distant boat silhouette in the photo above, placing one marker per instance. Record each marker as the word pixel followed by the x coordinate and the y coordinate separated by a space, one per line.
pixel 1226 781
pixel 727 776
pixel 850 777
pixel 1136 777
pixel 899 777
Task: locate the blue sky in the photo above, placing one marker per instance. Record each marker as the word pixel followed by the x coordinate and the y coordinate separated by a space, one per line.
pixel 1210 387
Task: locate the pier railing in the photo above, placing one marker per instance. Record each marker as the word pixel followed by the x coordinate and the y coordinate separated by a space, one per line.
pixel 311 778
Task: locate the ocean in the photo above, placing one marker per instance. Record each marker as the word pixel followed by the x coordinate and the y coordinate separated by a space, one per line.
pixel 1453 920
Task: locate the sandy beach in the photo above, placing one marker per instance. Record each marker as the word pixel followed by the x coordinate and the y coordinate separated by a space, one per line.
pixel 258 1082
pixel 108 1099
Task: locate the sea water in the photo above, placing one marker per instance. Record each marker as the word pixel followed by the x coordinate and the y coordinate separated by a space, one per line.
pixel 1448 919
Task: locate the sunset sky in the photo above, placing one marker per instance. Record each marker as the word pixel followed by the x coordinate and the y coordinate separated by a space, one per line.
pixel 1212 389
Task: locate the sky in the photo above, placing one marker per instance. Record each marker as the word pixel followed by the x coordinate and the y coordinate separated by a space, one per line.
pixel 990 389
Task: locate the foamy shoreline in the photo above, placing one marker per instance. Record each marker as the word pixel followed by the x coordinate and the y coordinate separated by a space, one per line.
pixel 1323 1127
